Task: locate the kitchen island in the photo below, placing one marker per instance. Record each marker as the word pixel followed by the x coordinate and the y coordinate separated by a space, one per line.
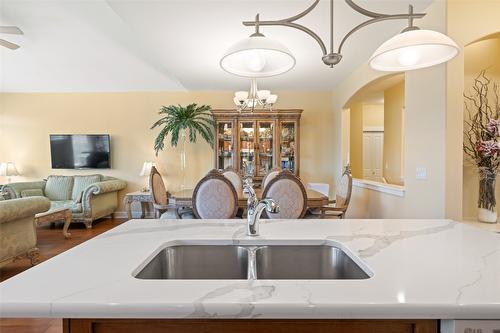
pixel 419 271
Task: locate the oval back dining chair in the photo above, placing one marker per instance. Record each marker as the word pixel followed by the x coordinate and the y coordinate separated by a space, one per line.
pixel 215 197
pixel 270 175
pixel 342 197
pixel 289 193
pixel 234 178
pixel 158 192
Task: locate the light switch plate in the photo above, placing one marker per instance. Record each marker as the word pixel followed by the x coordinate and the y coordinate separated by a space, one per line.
pixel 421 173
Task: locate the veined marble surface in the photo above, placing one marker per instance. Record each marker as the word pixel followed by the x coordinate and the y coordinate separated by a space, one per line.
pixel 421 269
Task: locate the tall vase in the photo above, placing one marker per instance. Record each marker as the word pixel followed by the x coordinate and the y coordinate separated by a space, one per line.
pixel 487 201
pixel 182 154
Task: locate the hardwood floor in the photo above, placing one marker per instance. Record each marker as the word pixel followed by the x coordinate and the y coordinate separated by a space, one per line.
pixel 51 242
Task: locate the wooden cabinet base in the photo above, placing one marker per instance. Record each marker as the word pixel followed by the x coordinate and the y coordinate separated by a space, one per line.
pixel 248 326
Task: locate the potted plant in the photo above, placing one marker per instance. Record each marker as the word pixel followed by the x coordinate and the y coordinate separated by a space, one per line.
pixel 183 123
pixel 481 134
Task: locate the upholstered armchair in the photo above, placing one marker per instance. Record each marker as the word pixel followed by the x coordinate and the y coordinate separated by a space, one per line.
pixel 17 228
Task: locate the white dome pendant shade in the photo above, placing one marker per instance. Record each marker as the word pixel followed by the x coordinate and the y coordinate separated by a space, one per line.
pixel 257 56
pixel 413 49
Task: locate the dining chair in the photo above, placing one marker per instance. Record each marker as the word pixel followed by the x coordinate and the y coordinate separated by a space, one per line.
pixel 338 207
pixel 270 175
pixel 160 195
pixel 234 177
pixel 215 197
pixel 289 193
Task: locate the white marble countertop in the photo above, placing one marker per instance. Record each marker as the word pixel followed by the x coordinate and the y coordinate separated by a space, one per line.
pixel 421 269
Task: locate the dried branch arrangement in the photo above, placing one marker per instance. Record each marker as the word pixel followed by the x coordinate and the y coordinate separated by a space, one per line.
pixel 481 133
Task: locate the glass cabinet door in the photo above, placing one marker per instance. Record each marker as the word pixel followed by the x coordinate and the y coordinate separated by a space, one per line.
pixel 247 148
pixel 266 145
pixel 288 145
pixel 225 145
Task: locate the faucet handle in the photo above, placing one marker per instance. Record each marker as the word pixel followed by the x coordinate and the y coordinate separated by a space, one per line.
pixel 271 205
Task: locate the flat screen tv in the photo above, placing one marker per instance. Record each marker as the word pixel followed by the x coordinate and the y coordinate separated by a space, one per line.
pixel 80 151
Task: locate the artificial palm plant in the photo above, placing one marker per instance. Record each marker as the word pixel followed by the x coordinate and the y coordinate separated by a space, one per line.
pixel 181 121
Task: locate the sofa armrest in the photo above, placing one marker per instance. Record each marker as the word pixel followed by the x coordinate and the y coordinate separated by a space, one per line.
pixel 14 189
pixel 104 187
pixel 97 189
pixel 16 209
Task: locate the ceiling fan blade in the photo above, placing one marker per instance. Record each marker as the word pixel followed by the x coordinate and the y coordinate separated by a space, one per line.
pixel 8 45
pixel 11 30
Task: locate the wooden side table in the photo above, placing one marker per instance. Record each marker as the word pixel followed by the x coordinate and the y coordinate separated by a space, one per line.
pixel 51 216
pixel 145 198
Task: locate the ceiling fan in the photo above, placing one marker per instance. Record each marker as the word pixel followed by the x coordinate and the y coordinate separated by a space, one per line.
pixel 10 30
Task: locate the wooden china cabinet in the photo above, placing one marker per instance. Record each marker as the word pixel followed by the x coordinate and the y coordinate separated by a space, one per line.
pixel 255 142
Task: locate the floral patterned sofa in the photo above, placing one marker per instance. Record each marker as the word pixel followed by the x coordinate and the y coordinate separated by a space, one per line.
pixel 89 197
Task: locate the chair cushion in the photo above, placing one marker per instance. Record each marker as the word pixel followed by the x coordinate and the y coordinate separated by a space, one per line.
pixel 289 196
pixel 215 200
pixel 75 207
pixel 81 183
pixel 59 188
pixel 36 192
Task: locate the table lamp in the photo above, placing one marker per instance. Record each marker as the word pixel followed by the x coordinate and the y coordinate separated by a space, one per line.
pixel 145 172
pixel 8 169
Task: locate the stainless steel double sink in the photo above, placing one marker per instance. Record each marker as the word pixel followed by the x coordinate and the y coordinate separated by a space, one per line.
pixel 268 262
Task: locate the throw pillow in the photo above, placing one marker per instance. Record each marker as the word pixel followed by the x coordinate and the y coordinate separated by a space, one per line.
pixel 81 183
pixel 79 198
pixel 58 188
pixel 32 193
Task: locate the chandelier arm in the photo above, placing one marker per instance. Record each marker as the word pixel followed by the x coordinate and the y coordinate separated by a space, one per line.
pixel 304 13
pixel 375 20
pixel 362 10
pixel 289 22
pixel 286 23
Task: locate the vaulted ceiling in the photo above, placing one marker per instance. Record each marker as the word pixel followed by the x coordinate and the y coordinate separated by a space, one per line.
pixel 145 45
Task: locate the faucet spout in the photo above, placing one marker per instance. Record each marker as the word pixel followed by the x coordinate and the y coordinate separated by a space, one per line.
pixel 254 213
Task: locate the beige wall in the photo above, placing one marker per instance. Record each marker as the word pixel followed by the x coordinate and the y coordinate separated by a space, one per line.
pixel 373 115
pixel 26 120
pixel 425 130
pixel 468 21
pixel 394 99
pixel 356 139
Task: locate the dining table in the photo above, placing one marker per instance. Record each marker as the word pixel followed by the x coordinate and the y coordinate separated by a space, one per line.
pixel 184 198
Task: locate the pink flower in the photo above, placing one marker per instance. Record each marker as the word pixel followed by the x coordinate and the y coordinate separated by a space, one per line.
pixel 488 148
pixel 493 127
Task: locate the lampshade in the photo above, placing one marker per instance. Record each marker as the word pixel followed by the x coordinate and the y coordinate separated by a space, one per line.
pixel 241 95
pixel 263 94
pixel 413 50
pixel 272 99
pixel 8 169
pixel 146 168
pixel 257 56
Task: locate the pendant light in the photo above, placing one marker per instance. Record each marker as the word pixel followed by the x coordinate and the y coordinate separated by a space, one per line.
pixel 413 49
pixel 257 56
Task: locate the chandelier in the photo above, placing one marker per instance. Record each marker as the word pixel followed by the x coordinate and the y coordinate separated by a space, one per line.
pixel 259 56
pixel 254 98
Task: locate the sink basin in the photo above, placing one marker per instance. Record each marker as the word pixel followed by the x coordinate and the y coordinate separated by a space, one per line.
pixel 197 262
pixel 253 260
pixel 306 262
